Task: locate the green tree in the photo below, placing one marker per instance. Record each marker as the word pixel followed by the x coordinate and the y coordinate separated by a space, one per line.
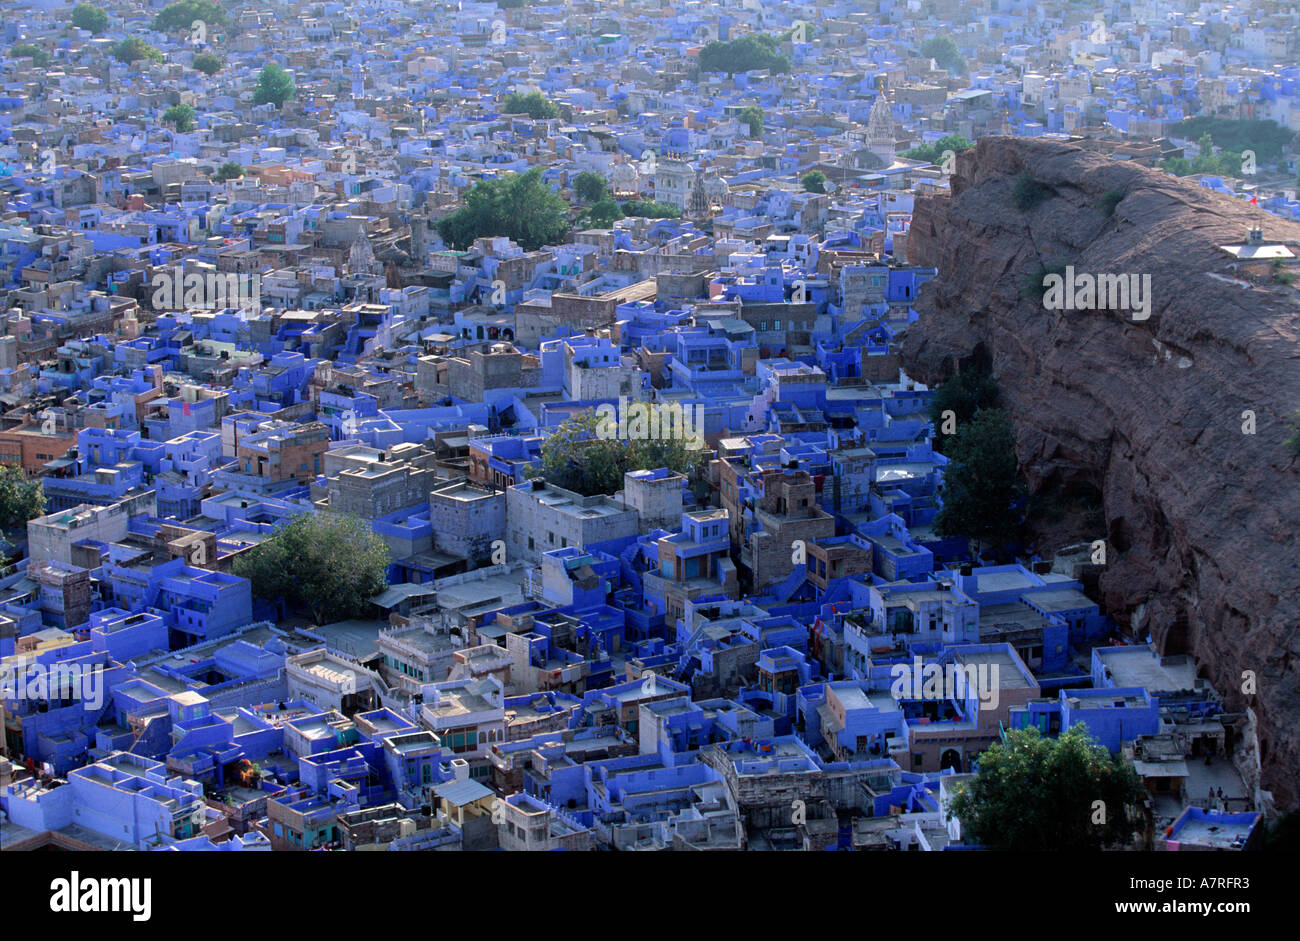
pixel 963 394
pixel 536 105
pixel 753 116
pixel 521 207
pixel 943 50
pixel 814 181
pixel 576 456
pixel 40 58
pixel 1178 166
pixel 590 187
pixel 1039 794
pixel 650 209
pixel 1224 163
pixel 982 491
pixel 181 16
pixel 87 17
pixel 1204 162
pixel 209 63
pixel 603 214
pixel 20 499
pixel 182 116
pixel 230 170
pixel 133 49
pixel 326 564
pixel 748 53
pixel 274 86
pixel 933 153
pixel 1266 138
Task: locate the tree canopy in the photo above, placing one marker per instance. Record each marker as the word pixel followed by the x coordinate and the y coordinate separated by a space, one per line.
pixel 933 153
pixel 1033 793
pixel 181 16
pixel 274 85
pixel 521 206
pixel 963 393
pixel 91 18
pixel 209 63
pixel 983 494
pixel 603 214
pixel 536 105
pixel 20 499
pixel 1207 162
pixel 182 116
pixel 577 458
pixel 133 49
pixel 39 56
pixel 943 50
pixel 590 187
pixel 650 209
pixel 230 170
pixel 753 116
pixel 1266 138
pixel 327 565
pixel 814 181
pixel 748 53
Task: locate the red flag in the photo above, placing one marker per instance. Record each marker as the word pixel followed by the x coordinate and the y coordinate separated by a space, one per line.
pixel 1254 200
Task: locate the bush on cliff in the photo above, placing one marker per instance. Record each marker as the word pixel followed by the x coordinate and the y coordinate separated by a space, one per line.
pixel 1028 192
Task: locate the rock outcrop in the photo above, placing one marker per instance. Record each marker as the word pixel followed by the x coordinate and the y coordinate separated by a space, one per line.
pixel 1202 518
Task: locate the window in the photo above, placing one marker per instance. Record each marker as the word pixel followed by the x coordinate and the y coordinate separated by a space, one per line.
pixel 530 542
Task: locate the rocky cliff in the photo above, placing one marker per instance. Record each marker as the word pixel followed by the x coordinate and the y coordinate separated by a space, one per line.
pixel 1202 518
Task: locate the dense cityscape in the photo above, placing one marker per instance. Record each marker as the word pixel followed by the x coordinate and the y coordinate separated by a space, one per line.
pixel 623 426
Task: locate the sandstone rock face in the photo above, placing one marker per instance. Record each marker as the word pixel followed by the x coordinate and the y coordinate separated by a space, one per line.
pixel 1203 520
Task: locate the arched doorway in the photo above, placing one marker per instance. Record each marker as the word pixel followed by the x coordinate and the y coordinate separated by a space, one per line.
pixel 951 758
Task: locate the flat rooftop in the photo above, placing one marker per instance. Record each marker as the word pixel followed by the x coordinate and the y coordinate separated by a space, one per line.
pixel 1003 581
pixel 1140 666
pixel 1009 675
pixel 1060 599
